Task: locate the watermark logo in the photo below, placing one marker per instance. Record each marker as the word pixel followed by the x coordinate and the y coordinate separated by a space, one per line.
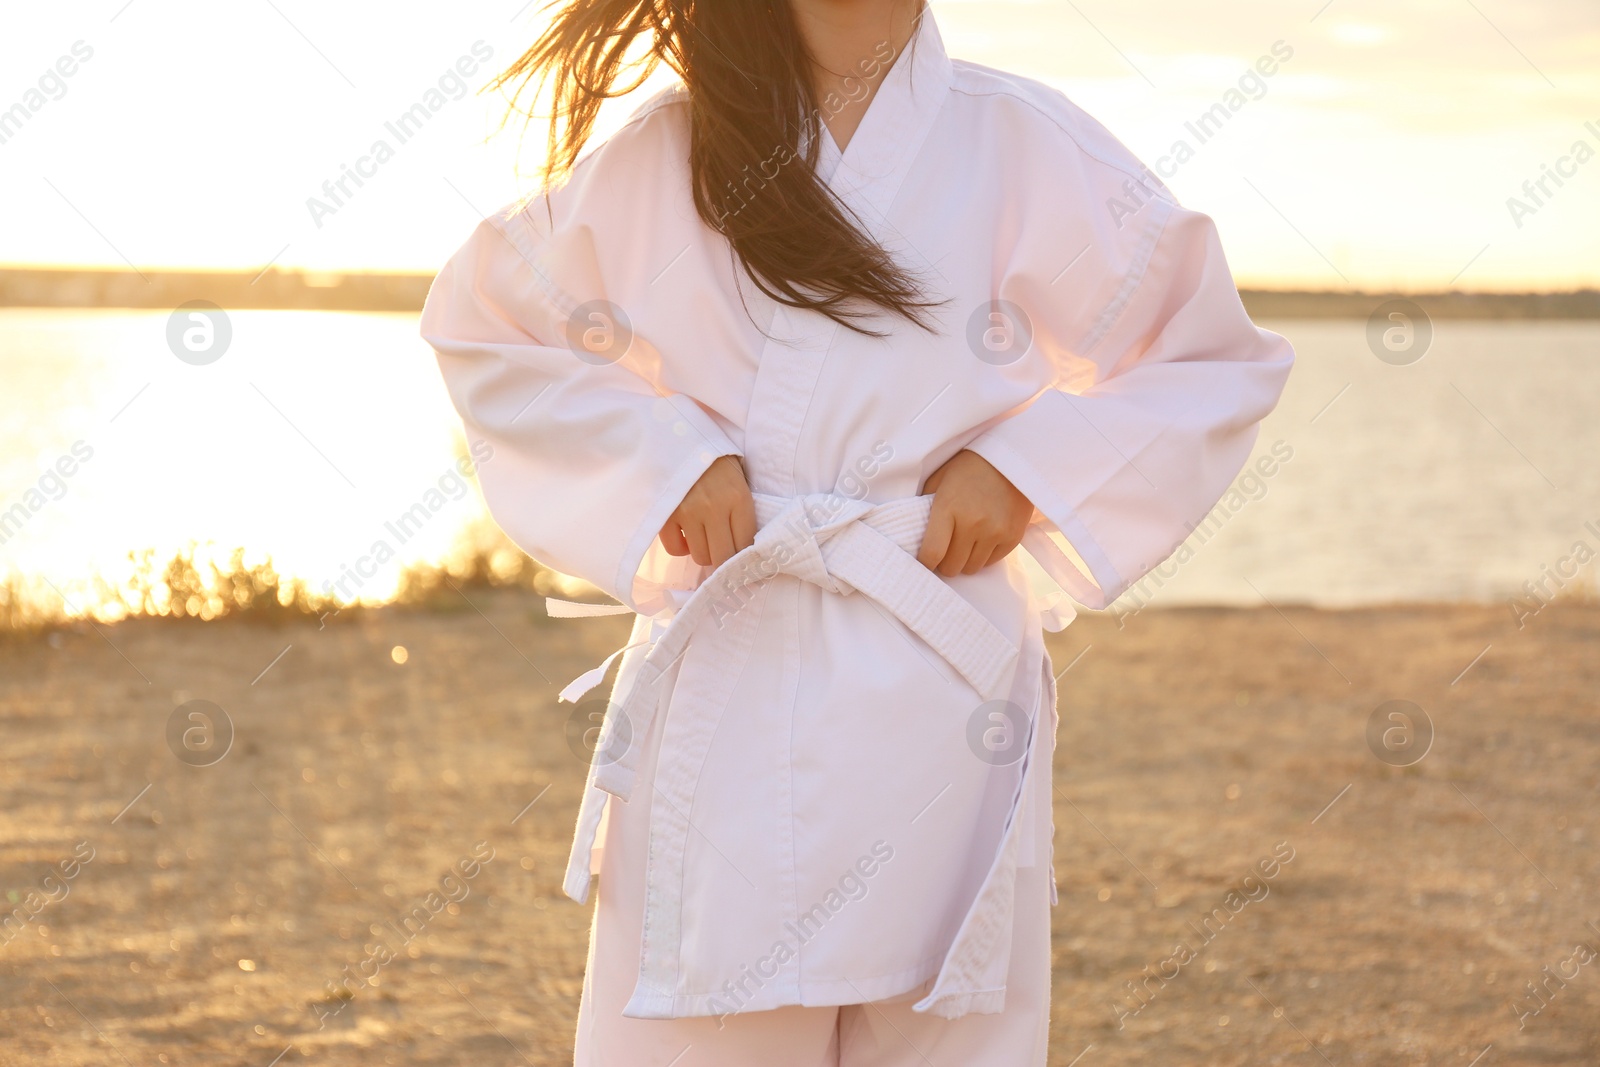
pixel 1399 733
pixel 999 332
pixel 599 332
pixel 1399 332
pixel 451 85
pixel 51 86
pixel 852 885
pixel 1148 187
pixel 449 487
pixel 590 740
pixel 1252 889
pixel 51 485
pixel 1566 167
pixel 1537 594
pixel 1551 981
pixel 997 732
pixel 1251 486
pixel 738 194
pixel 199 332
pixel 453 887
pixel 53 889
pixel 199 733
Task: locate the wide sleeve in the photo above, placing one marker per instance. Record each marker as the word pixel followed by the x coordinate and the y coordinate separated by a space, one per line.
pixel 1155 406
pixel 587 457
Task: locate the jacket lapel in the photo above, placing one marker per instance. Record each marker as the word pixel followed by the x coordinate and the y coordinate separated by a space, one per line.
pixel 868 174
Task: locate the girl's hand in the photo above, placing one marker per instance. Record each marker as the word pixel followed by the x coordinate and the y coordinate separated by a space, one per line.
pixel 978 516
pixel 717 517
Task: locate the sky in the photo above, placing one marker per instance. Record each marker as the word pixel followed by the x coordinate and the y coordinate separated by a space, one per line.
pixel 1381 154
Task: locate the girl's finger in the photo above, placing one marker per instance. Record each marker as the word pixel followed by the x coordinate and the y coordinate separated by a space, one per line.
pixel 1001 551
pixel 719 539
pixel 744 523
pixel 936 538
pixel 672 540
pixel 981 551
pixel 695 534
pixel 956 556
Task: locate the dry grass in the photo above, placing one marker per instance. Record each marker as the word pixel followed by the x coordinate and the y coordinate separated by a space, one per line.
pixel 193 584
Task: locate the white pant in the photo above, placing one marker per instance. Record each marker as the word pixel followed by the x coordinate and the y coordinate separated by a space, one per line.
pixel 882 1034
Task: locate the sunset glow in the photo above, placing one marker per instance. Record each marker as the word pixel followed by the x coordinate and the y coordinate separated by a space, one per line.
pixel 1388 148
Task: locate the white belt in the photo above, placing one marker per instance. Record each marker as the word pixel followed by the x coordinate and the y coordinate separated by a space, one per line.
pixel 841 545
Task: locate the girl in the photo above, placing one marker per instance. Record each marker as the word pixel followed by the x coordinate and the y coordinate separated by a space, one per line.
pixel 790 366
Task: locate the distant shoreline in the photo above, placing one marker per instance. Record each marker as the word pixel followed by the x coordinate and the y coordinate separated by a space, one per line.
pixel 312 291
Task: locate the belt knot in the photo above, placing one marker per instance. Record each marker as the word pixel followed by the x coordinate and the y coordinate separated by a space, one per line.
pixel 791 541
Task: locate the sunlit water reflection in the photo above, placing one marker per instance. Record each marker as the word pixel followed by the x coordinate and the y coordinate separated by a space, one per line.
pixel 1459 477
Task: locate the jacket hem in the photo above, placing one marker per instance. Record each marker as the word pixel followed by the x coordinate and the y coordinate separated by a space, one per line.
pixel 811 994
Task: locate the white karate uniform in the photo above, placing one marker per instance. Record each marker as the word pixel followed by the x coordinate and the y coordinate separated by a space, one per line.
pixel 884 1033
pixel 834 762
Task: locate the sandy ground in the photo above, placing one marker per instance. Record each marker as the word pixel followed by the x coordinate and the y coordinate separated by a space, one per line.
pixel 221 901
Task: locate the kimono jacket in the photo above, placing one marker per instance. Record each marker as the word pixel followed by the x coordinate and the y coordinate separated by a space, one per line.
pixel 846 757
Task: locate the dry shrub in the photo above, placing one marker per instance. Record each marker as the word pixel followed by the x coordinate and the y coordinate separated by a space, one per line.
pixel 199 583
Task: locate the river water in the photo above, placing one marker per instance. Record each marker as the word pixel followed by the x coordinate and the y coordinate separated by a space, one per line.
pixel 1461 476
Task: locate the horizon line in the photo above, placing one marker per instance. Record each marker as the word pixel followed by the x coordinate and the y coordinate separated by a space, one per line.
pixel 290 289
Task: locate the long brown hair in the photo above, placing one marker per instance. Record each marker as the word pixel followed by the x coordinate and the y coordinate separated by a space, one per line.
pixel 751 109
